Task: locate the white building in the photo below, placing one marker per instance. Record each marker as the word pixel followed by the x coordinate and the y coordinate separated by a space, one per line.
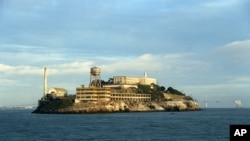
pixel 58 92
pixel 127 80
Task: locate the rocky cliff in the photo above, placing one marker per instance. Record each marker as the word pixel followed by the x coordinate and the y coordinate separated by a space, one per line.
pixel 122 106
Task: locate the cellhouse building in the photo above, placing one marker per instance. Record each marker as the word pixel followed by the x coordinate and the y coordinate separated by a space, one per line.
pixel 128 81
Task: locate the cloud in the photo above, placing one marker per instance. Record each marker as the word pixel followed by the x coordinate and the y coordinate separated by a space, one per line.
pixel 16 54
pixel 145 62
pixel 182 70
pixel 61 69
pixel 237 51
pixel 221 3
pixel 171 40
pixel 8 82
pixel 71 68
pixel 241 80
pixel 19 70
pixel 53 69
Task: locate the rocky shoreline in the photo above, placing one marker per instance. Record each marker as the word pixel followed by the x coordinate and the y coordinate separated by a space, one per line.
pixel 121 106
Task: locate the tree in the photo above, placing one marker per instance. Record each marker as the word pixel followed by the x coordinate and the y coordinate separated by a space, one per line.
pixel 144 88
pixel 163 88
pixel 110 81
pixel 174 91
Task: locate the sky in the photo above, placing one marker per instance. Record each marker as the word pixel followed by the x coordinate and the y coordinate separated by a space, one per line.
pixel 198 47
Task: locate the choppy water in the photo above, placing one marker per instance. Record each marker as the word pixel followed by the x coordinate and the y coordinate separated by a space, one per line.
pixel 205 125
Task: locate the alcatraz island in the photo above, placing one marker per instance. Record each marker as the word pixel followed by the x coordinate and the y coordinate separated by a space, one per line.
pixel 118 94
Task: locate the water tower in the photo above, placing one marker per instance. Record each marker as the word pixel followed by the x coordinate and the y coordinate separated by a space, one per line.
pixel 95 77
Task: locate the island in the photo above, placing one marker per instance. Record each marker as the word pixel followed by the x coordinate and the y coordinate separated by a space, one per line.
pixel 118 94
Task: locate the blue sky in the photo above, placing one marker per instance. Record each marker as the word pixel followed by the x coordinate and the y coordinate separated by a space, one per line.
pixel 198 47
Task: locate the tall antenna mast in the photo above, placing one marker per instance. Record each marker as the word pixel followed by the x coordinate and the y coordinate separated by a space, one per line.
pixel 45 82
pixel 206 102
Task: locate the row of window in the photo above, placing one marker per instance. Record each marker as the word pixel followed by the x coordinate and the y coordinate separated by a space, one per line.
pixel 130 95
pixel 92 97
pixel 132 99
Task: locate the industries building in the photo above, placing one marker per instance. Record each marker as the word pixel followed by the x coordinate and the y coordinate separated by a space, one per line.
pixel 54 92
pixel 58 92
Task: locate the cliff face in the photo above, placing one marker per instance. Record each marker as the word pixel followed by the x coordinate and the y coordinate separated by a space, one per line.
pixel 124 106
pixel 187 105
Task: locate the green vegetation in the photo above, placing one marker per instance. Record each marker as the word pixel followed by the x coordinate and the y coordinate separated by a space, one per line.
pixel 188 98
pixel 151 106
pixel 53 105
pixel 110 81
pixel 144 88
pixel 156 91
pixel 174 91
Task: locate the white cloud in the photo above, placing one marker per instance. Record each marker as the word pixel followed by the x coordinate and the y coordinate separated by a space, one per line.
pixel 181 63
pixel 147 62
pixel 8 82
pixel 142 63
pixel 67 68
pixel 241 80
pixel 184 71
pixel 237 52
pixel 221 3
pixel 29 55
pixel 237 47
pixel 71 68
pixel 19 70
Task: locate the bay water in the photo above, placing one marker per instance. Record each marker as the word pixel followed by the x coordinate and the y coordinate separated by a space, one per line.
pixel 204 125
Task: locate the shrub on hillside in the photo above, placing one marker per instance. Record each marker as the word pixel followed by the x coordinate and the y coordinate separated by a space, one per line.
pixel 174 91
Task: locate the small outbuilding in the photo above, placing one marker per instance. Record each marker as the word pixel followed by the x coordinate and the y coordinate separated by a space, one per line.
pixel 58 92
